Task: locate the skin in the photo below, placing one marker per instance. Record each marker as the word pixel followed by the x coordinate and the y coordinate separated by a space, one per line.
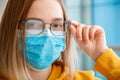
pixel 91 39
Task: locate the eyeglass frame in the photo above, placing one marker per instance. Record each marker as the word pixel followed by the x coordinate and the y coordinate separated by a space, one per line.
pixel 65 21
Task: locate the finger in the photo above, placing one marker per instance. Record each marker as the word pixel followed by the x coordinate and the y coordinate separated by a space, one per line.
pixel 79 32
pixel 86 34
pixel 93 31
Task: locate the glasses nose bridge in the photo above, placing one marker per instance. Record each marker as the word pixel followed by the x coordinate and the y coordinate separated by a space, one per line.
pixel 47 25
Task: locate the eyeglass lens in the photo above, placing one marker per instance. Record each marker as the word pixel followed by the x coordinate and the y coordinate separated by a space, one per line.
pixel 38 26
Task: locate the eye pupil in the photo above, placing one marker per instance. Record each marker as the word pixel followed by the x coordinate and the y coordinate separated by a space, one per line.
pixel 56 25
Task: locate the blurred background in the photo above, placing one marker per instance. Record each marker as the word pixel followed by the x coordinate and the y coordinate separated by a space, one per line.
pixel 105 13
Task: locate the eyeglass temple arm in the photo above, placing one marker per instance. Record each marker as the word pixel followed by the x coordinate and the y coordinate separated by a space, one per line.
pixel 68 23
pixel 22 22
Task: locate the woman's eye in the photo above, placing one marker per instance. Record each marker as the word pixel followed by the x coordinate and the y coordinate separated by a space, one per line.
pixel 56 26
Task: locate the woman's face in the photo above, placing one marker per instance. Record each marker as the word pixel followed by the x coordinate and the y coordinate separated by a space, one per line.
pixel 47 10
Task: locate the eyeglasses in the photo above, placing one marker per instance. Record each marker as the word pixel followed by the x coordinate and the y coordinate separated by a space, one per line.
pixel 57 28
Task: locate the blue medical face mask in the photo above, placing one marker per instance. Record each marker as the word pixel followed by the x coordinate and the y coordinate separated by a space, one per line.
pixel 42 50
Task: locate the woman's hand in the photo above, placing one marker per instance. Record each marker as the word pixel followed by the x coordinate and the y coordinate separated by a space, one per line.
pixel 91 39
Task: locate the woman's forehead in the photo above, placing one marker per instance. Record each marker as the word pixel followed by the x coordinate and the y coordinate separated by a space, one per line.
pixel 45 9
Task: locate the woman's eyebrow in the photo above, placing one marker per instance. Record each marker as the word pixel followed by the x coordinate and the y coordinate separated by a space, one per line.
pixel 55 19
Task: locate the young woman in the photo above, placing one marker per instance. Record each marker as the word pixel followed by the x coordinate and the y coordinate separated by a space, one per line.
pixel 36 44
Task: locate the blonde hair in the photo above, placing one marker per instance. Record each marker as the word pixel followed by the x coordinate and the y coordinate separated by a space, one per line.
pixel 12 63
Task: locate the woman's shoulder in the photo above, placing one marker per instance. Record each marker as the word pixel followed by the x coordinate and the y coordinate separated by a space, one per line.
pixel 85 75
